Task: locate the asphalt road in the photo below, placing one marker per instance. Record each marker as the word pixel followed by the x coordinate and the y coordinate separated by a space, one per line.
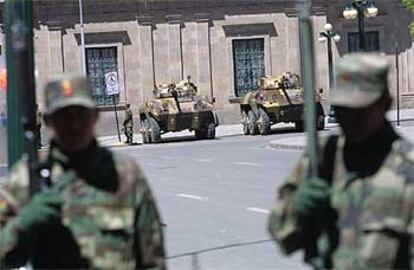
pixel 215 197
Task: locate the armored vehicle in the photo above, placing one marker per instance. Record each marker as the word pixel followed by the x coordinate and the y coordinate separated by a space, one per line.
pixel 177 107
pixel 278 99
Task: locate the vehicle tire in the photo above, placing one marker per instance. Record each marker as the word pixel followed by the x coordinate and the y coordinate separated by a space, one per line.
pixel 320 122
pixel 253 129
pixel 264 122
pixel 146 138
pixel 299 126
pixel 245 123
pixel 211 131
pixel 155 130
pixel 201 133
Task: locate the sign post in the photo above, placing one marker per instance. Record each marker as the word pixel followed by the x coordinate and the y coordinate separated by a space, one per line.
pixel 112 89
pixel 3 114
pixel 397 69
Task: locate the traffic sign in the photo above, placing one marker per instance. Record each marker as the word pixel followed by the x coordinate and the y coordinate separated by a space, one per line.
pixel 111 82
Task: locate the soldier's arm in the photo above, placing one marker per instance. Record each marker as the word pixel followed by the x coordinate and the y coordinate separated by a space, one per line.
pixel 149 242
pixel 282 223
pixel 13 195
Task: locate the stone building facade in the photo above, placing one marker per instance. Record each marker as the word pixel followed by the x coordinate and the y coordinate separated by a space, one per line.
pixel 222 45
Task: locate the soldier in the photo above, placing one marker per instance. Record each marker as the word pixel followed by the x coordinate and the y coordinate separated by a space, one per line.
pixel 128 125
pixel 95 209
pixel 38 136
pixel 358 213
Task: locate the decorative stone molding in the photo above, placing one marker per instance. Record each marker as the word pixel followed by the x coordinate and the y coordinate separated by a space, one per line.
pixel 294 12
pixel 202 17
pixel 174 19
pixel 145 20
pixel 54 25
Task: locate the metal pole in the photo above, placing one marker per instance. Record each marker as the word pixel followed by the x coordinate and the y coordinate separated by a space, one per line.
pixel 361 29
pixel 397 68
pixel 18 33
pixel 116 118
pixel 21 86
pixel 331 118
pixel 307 61
pixel 82 38
pixel 330 62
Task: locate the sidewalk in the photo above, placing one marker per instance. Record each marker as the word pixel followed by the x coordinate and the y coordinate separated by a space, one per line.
pixel 221 131
pixel 299 142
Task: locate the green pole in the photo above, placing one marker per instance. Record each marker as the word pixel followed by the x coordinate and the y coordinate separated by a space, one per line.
pixel 21 97
pixel 307 62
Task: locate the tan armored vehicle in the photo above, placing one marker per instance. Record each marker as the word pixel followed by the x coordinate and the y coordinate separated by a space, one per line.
pixel 177 107
pixel 279 99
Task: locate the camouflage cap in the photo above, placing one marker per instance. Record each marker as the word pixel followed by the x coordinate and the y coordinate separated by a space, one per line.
pixel 361 79
pixel 68 90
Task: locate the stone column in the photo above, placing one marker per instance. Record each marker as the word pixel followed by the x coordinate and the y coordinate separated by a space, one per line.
pixel 292 40
pixel 204 54
pixel 56 48
pixel 410 70
pixel 147 58
pixel 175 63
pixel 404 72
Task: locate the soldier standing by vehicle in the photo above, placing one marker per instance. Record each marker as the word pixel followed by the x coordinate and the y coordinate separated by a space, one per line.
pixel 128 125
pixel 358 212
pixel 95 209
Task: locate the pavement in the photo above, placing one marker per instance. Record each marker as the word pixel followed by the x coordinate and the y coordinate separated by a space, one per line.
pixel 295 142
pixel 221 131
pixel 299 142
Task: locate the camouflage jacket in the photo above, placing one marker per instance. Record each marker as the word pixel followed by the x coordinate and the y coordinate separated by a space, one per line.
pixel 112 230
pixel 375 213
pixel 128 121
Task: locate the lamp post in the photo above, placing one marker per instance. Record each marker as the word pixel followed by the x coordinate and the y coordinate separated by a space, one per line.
pixel 82 32
pixel 360 9
pixel 328 36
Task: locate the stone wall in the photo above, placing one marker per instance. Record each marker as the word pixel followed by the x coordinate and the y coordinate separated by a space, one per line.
pixel 160 42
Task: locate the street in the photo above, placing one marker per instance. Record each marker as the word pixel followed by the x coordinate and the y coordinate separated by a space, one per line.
pixel 215 197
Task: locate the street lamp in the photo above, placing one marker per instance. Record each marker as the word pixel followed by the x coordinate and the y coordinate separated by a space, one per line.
pixel 330 35
pixel 360 9
pixel 82 34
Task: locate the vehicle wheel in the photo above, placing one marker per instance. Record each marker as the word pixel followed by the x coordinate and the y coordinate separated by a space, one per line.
pixel 321 122
pixel 263 122
pixel 211 131
pixel 201 133
pixel 245 123
pixel 154 131
pixel 146 138
pixel 299 126
pixel 253 129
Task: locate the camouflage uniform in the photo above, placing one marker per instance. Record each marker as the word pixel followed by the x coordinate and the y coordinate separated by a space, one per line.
pixel 128 125
pixel 369 223
pixel 100 213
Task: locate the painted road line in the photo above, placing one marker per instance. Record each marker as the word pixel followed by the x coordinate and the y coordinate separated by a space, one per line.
pixel 189 196
pixel 258 210
pixel 203 160
pixel 248 164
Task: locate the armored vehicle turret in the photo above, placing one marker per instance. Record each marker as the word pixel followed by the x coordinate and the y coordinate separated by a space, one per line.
pixel 177 107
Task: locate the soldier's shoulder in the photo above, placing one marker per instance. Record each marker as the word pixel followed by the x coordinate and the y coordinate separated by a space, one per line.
pixel 125 164
pixel 16 183
pixel 403 159
pixel 404 149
